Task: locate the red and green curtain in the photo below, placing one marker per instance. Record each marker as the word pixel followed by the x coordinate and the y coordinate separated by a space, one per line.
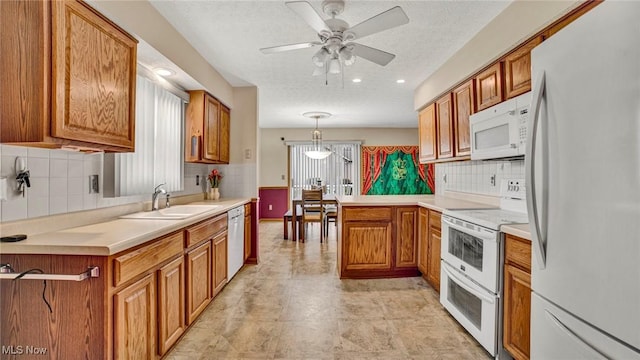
pixel 395 170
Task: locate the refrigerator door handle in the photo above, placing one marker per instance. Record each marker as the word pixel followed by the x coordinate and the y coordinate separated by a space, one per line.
pixel 532 208
pixel 573 335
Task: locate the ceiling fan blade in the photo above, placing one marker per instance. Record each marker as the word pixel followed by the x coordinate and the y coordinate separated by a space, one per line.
pixel 310 15
pixel 383 21
pixel 281 48
pixel 374 55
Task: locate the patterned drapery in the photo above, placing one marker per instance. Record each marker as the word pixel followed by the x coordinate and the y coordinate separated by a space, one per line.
pixel 395 170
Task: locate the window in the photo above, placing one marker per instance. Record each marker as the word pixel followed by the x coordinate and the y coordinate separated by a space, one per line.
pixel 158 145
pixel 337 174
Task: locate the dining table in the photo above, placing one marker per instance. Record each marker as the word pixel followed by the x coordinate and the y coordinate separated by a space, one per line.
pixel 327 199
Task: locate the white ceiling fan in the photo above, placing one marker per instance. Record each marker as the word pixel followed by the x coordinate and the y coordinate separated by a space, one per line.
pixel 336 36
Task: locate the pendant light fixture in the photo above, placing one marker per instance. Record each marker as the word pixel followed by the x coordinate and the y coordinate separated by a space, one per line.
pixel 318 151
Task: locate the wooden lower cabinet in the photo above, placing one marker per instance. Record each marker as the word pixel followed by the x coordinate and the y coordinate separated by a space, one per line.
pixel 517 297
pixel 199 272
pixel 135 320
pixel 378 241
pixel 219 262
pixel 171 310
pixel 247 234
pixel 433 250
pixel 406 237
pixel 423 237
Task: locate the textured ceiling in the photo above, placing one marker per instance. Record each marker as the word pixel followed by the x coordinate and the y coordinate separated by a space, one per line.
pixel 229 33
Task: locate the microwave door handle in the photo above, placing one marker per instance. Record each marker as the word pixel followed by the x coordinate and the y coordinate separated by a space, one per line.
pixel 464 285
pixel 469 231
pixel 532 208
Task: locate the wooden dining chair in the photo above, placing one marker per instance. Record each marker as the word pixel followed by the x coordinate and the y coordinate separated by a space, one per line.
pixel 312 212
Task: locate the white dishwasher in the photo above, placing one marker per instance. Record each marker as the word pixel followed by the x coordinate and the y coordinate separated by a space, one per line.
pixel 235 241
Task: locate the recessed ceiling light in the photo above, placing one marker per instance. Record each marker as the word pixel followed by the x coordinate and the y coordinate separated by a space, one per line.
pixel 400 81
pixel 164 72
pixel 357 80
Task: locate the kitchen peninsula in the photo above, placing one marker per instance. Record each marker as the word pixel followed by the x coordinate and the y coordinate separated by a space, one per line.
pixel 383 236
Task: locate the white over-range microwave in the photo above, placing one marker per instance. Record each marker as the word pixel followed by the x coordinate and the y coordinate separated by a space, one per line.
pixel 501 130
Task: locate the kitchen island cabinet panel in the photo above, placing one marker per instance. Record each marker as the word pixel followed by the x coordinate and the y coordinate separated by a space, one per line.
pixel 368 245
pixel 135 320
pixel 377 241
pixel 407 237
pixel 423 237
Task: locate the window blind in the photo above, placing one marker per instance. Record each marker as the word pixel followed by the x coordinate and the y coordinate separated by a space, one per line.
pixel 337 174
pixel 158 155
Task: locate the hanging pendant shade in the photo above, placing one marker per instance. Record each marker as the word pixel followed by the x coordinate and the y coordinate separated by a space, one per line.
pixel 318 151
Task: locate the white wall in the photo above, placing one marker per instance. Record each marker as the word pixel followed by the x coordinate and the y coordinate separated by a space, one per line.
pixel 273 151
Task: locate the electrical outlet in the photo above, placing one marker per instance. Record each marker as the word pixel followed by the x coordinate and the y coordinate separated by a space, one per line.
pixel 282 177
pixel 270 207
pixel 94 187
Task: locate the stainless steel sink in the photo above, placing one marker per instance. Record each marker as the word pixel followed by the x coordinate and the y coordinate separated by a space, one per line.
pixel 176 212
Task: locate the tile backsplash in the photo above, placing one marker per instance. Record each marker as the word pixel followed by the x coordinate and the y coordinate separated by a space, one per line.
pixel 60 182
pixel 476 176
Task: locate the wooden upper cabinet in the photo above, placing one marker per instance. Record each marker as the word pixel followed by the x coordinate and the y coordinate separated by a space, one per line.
pixel 81 61
pixel 517 69
pixel 207 129
pixel 427 133
pixel 489 90
pixel 463 107
pixel 444 128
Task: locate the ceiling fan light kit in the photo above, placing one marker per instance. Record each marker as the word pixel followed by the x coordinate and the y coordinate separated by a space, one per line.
pixel 336 36
pixel 319 152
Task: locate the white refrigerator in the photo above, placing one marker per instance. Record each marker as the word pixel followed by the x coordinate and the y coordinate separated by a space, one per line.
pixel 583 183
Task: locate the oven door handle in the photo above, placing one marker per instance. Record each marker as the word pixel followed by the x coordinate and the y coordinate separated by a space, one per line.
pixel 463 284
pixel 478 234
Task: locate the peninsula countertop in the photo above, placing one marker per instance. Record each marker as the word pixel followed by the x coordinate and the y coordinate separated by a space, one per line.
pixel 113 236
pixel 434 202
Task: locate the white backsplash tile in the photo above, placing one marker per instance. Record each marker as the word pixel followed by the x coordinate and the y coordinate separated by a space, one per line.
pixel 15 209
pixel 58 168
pixel 37 206
pixel 475 176
pixel 60 182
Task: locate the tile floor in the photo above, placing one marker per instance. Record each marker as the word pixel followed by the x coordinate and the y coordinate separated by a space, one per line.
pixel 293 306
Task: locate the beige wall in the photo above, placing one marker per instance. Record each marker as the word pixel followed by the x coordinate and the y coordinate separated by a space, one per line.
pixel 141 19
pixel 244 125
pixel 519 21
pixel 273 151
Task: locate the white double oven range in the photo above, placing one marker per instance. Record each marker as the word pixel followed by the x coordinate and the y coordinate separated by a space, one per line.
pixel 472 262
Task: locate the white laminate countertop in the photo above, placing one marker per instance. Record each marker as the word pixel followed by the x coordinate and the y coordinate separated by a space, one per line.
pixel 434 202
pixel 113 236
pixel 519 230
